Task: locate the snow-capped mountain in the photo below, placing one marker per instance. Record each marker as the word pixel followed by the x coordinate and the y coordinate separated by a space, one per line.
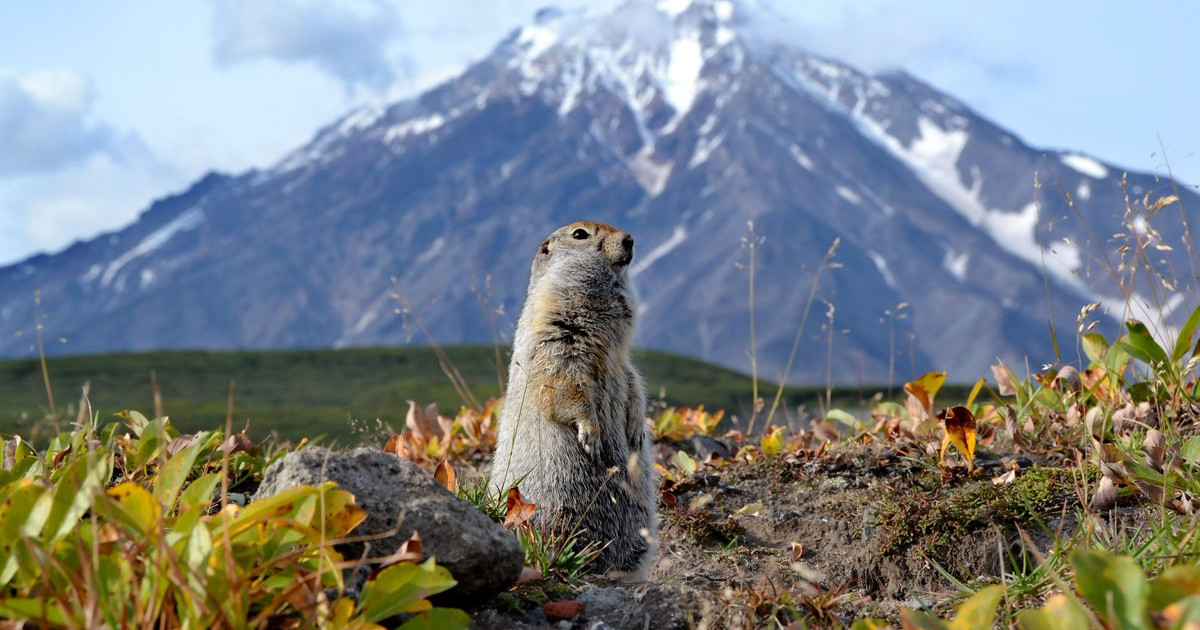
pixel 682 121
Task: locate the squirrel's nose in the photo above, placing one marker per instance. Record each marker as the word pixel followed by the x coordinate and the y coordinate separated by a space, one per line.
pixel 625 255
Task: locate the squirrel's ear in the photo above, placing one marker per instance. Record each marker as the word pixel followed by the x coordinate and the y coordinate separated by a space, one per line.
pixel 545 248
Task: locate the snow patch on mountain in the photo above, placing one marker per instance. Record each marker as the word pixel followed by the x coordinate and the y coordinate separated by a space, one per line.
pixel 413 126
pixel 1084 191
pixel 156 239
pixel 641 52
pixel 428 255
pixel 1084 165
pixel 938 149
pixel 801 157
pixel 187 220
pixel 955 263
pixel 360 118
pixel 674 8
pixel 704 148
pixel 882 266
pixel 682 80
pixel 849 195
pixel 933 156
pixel 678 236
pixel 93 272
pixel 650 174
pixel 536 39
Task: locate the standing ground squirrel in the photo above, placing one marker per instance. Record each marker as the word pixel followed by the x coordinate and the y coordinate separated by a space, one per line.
pixel 573 434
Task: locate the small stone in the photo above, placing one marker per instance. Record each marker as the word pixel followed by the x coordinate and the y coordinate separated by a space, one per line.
pixel 562 609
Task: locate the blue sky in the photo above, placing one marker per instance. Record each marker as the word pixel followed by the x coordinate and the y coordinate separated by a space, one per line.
pixel 105 106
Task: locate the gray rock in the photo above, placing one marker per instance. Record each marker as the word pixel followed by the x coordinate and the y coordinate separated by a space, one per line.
pixel 484 557
pixel 647 606
pixel 702 446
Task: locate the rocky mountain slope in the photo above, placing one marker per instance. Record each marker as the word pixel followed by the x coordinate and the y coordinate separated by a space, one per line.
pixel 680 121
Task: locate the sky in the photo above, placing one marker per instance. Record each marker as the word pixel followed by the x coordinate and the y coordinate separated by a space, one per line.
pixel 106 106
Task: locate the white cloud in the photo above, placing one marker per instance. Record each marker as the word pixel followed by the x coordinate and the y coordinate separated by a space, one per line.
pixel 46 212
pixel 879 39
pixel 63 175
pixel 44 123
pixel 347 39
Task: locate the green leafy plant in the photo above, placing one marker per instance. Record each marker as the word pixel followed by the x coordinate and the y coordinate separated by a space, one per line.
pixel 128 527
pixel 1109 591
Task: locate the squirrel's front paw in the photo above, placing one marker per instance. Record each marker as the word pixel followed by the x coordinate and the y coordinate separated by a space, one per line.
pixel 588 438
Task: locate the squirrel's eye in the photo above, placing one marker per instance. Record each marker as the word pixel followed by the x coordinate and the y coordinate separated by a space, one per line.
pixel 579 234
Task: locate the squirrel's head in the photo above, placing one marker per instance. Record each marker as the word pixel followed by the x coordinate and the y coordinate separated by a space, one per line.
pixel 587 251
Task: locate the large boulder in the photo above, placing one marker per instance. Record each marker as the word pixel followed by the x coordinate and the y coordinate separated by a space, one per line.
pixel 482 556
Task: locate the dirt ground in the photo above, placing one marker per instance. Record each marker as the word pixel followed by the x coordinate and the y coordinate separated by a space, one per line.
pixel 819 539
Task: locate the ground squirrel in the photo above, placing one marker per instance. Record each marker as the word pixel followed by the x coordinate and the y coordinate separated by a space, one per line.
pixel 573 434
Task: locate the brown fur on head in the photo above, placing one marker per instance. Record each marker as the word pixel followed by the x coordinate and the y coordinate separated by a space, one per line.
pixel 575 243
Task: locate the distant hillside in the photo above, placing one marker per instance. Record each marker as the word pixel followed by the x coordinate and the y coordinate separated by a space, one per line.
pixel 306 393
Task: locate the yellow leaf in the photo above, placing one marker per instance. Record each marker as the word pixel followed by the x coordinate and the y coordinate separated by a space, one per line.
pixel 684 463
pixel 960 427
pixel 342 513
pixel 979 611
pixel 926 387
pixel 975 391
pixel 137 507
pixel 772 442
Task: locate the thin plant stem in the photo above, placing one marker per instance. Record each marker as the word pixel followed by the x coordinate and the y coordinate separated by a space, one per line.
pixel 812 294
pixel 752 245
pixel 37 321
pixel 456 379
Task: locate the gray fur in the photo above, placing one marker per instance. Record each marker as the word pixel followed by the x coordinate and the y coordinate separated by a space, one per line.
pixel 573 434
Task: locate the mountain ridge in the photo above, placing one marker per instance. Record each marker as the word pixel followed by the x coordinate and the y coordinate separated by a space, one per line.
pixel 425 208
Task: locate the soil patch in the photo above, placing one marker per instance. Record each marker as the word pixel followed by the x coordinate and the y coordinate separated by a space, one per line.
pixel 861 530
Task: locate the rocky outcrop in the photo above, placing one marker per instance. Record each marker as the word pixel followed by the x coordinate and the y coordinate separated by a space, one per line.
pixel 400 498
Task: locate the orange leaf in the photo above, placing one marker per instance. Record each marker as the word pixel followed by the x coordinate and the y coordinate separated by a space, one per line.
pixel 519 510
pixel 797 550
pixel 395 445
pixel 445 476
pixel 960 427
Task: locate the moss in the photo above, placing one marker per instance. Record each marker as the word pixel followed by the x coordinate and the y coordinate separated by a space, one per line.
pixel 938 518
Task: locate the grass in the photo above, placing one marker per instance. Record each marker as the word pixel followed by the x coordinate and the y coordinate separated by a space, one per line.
pixel 309 393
